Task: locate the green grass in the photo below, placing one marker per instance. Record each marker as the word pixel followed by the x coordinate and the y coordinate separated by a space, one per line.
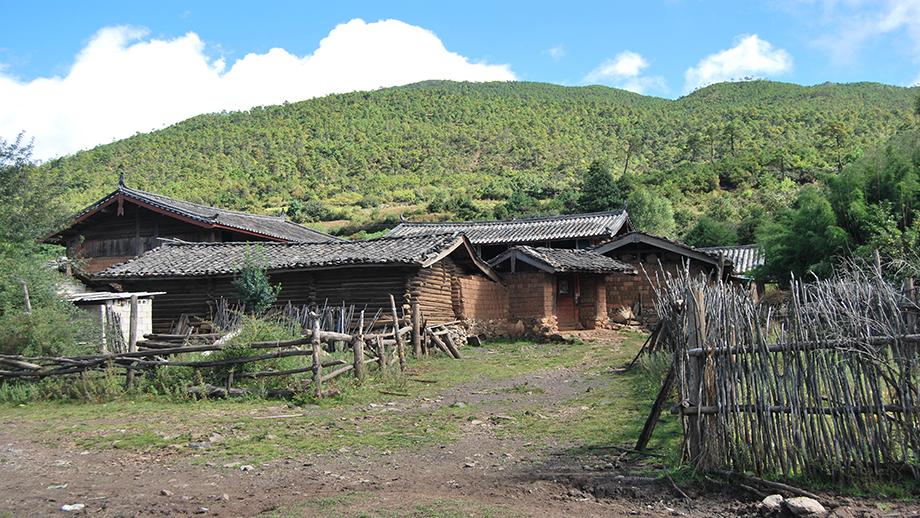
pixel 343 421
pixel 362 505
pixel 612 413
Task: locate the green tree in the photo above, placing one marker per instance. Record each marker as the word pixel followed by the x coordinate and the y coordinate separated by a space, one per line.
pixel 709 231
pixel 599 191
pixel 651 213
pixel 836 136
pixel 252 286
pixel 804 239
pixel 520 204
pixel 30 205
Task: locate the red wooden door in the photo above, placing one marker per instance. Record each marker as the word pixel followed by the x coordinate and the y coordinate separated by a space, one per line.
pixel 566 308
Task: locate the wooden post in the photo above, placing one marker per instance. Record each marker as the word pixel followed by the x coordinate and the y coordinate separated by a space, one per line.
pixel 655 414
pixel 416 328
pixel 400 345
pixel 358 346
pixel 317 364
pixel 132 339
pixel 696 433
pixel 911 296
pixel 25 294
pixel 103 321
pixel 381 355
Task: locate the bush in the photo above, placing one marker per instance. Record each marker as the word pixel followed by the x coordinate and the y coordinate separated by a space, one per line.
pixel 711 232
pixel 253 288
pixel 651 213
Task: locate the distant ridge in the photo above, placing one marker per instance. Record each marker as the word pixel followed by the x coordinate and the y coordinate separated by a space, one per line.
pixel 426 141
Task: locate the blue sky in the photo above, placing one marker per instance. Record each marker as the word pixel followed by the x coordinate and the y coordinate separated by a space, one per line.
pixel 62 63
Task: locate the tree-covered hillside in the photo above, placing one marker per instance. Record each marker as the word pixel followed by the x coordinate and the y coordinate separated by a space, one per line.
pixel 732 152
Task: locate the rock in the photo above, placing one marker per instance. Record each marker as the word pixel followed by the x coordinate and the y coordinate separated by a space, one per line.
pixel 804 506
pixel 518 328
pixel 199 445
pixel 773 503
pixel 458 404
pixel 166 492
pixel 843 512
pixel 201 510
pixel 469 465
pixel 246 467
pixel 225 497
pixel 474 341
pixel 68 508
pixel 498 418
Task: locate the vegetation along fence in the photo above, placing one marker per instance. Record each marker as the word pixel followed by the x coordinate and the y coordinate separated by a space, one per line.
pixel 824 383
pixel 379 340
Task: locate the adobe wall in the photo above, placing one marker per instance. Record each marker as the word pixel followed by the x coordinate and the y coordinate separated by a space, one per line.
pixel 484 305
pixel 636 293
pixel 530 303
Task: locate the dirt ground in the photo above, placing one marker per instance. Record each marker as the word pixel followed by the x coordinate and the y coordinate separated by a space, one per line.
pixel 482 473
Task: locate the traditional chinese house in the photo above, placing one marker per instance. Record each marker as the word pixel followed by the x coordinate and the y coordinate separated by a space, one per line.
pixel 128 222
pixel 551 288
pixel 490 238
pixel 434 270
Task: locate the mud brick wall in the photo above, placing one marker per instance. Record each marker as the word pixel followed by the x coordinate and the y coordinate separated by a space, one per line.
pixel 483 299
pixel 638 291
pixel 530 295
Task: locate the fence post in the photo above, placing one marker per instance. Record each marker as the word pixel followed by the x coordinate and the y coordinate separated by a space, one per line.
pixel 132 340
pixel 317 363
pixel 911 296
pixel 416 328
pixel 400 345
pixel 358 346
pixel 26 300
pixel 381 355
pixel 696 329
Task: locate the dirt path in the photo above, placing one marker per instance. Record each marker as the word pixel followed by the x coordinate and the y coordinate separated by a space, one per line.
pixel 482 473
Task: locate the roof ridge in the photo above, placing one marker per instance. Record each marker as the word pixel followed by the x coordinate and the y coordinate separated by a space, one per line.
pixel 749 245
pixel 528 219
pixel 301 243
pixel 203 206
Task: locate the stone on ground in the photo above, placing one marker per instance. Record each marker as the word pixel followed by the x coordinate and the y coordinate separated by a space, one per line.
pixel 804 506
pixel 773 503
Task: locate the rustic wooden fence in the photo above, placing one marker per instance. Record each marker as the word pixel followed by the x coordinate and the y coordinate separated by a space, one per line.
pixel 379 341
pixel 827 383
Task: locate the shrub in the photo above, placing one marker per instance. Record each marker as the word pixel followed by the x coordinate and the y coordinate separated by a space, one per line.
pixel 253 288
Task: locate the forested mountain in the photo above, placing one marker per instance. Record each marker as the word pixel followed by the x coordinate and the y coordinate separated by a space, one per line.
pixel 734 152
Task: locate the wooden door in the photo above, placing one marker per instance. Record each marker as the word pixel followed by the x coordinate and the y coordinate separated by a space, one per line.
pixel 566 307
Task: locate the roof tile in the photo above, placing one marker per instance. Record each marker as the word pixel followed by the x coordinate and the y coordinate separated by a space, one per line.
pixel 525 230
pixel 206 259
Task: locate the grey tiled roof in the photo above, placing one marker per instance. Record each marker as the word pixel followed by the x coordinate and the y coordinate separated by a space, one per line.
pixel 662 243
pixel 267 226
pixel 559 260
pixel 744 257
pixel 525 230
pixel 214 259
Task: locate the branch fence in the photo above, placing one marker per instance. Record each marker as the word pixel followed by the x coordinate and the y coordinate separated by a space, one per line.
pixel 827 383
pixel 381 340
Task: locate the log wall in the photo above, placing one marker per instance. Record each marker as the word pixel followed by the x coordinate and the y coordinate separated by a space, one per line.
pixel 107 238
pixel 437 288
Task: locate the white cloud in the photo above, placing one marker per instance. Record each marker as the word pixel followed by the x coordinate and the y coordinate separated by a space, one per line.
pixel 855 22
pixel 557 53
pixel 123 82
pixel 750 57
pixel 625 71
